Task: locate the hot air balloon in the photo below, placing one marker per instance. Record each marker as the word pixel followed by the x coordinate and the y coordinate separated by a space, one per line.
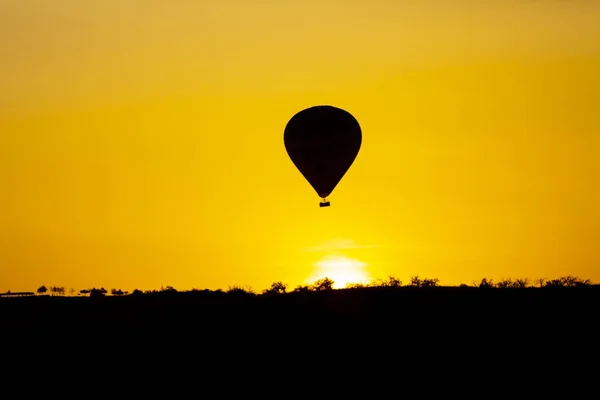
pixel 322 142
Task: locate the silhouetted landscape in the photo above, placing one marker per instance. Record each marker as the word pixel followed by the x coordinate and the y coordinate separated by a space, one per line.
pixel 483 328
pixel 386 306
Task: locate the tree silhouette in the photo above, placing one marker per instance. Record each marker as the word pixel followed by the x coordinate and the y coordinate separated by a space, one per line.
pixel 585 282
pixel 485 284
pixel 276 288
pixel 302 289
pixel 42 289
pixel 168 289
pixel 393 281
pixel 540 282
pixel 567 281
pixel 323 284
pixel 430 282
pixel 356 285
pixel 57 290
pixel 97 293
pixel 239 290
pixel 521 283
pixel 505 283
pixel 415 281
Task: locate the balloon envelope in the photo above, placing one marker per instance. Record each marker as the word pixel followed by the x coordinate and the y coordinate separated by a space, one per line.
pixel 322 142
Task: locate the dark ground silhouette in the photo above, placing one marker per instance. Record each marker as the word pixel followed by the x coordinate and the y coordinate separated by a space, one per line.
pixel 498 332
pixel 388 310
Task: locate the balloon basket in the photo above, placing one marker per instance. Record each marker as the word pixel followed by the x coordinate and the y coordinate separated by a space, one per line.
pixel 324 204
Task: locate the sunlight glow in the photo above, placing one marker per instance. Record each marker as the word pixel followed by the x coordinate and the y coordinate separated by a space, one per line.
pixel 342 270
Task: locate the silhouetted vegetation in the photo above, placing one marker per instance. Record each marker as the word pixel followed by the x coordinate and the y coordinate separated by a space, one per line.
pixel 327 284
pixel 57 290
pixel 385 308
pixel 276 288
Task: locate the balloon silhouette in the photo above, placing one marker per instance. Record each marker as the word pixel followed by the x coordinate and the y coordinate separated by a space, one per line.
pixel 322 142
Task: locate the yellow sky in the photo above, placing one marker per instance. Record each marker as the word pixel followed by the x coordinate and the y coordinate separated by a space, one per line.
pixel 141 141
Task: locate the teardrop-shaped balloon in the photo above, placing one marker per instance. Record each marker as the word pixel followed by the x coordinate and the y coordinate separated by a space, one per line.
pixel 323 142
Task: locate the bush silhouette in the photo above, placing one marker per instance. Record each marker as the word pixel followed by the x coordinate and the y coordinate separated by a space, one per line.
pixel 323 285
pixel 240 291
pixel 302 289
pixel 97 293
pixel 326 284
pixel 276 288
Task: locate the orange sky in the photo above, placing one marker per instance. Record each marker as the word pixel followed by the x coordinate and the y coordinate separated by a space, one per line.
pixel 141 141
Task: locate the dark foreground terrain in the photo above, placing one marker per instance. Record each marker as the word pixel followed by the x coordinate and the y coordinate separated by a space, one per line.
pixel 468 333
pixel 399 312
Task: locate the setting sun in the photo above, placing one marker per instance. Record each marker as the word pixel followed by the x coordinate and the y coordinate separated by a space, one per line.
pixel 342 270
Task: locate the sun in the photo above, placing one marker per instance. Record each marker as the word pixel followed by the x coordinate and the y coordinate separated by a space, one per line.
pixel 342 270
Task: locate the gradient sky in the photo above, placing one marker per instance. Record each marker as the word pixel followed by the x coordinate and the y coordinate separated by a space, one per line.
pixel 141 141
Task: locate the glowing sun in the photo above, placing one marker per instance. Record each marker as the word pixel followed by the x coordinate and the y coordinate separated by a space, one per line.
pixel 342 270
